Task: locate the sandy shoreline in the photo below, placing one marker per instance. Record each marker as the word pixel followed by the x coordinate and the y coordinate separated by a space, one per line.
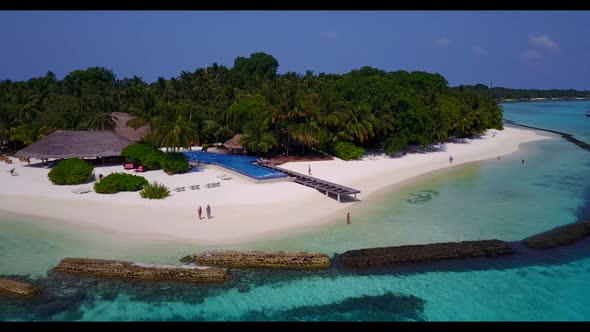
pixel 242 210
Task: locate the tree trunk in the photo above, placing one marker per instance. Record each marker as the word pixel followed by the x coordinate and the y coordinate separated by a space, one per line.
pixel 288 142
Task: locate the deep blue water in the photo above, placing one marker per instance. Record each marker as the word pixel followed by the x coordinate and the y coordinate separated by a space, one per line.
pixel 501 199
pixel 241 164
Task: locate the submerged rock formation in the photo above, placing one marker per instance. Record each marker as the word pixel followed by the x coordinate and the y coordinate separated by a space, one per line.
pixel 277 259
pixel 129 270
pixel 560 236
pixel 188 259
pixel 365 258
pixel 12 287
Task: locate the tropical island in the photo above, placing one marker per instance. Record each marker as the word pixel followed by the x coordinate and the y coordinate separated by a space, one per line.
pixel 92 140
pixel 510 95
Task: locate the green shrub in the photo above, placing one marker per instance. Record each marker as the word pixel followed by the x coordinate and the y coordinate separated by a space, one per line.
pixel 135 153
pixel 204 147
pixel 173 163
pixel 348 151
pixel 116 182
pixel 395 144
pixel 142 154
pixel 155 190
pixel 152 159
pixel 71 171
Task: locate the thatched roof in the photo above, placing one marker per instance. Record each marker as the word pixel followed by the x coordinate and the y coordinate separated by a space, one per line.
pixel 234 142
pixel 76 144
pixel 129 133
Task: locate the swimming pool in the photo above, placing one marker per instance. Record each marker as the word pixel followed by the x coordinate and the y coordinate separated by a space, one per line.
pixel 240 164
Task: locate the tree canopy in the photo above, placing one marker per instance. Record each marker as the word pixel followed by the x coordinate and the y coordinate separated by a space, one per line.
pixel 501 94
pixel 367 107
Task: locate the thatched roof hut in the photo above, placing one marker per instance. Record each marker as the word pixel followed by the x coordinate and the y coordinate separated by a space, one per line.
pixel 76 144
pixel 123 130
pixel 234 143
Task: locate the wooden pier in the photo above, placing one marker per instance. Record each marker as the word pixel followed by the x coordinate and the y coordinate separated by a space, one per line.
pixel 310 181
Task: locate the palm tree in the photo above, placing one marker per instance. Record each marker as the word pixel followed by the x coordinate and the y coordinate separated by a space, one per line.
pixel 361 122
pixel 257 137
pixel 27 133
pixel 463 125
pixel 178 133
pixel 213 129
pixel 101 120
pixel 307 132
pixel 440 127
pixel 144 113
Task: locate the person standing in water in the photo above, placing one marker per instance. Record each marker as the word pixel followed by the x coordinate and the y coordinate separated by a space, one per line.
pixel 348 218
pixel 200 212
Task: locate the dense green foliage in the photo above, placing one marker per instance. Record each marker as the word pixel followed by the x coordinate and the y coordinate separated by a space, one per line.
pixel 142 154
pixel 395 144
pixel 155 190
pixel 348 151
pixel 500 93
pixel 150 158
pixel 115 182
pixel 368 107
pixel 173 163
pixel 71 171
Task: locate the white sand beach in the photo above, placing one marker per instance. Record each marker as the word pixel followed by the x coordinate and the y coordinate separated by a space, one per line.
pixel 242 210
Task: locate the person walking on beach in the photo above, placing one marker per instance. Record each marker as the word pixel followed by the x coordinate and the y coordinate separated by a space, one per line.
pixel 208 210
pixel 309 169
pixel 348 218
pixel 200 212
pixel 450 159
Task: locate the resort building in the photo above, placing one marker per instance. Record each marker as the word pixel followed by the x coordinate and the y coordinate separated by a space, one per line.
pixel 63 144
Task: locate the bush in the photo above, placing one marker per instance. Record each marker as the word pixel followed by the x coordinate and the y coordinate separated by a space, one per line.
pixel 116 182
pixel 135 153
pixel 155 190
pixel 348 151
pixel 71 171
pixel 142 154
pixel 151 158
pixel 204 147
pixel 173 163
pixel 395 144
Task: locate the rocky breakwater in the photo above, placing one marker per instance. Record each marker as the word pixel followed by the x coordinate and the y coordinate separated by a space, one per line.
pixel 129 270
pixel 560 236
pixel 277 259
pixel 365 258
pixel 17 288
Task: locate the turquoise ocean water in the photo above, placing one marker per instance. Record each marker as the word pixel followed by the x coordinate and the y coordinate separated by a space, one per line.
pixel 501 199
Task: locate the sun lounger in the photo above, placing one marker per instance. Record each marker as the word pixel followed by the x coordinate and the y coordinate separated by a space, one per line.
pixel 194 187
pixel 82 190
pixel 179 189
pixel 139 169
pixel 128 166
